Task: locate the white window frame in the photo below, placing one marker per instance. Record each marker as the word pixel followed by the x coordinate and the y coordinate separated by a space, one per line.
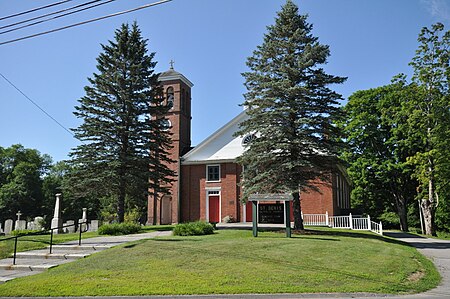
pixel 207 172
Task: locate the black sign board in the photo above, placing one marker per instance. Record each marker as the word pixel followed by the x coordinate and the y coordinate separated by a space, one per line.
pixel 271 213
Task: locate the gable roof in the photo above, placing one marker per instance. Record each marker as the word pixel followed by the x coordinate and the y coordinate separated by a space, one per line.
pixel 221 146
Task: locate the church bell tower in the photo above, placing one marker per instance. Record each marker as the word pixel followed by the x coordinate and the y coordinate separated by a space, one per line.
pixel 177 95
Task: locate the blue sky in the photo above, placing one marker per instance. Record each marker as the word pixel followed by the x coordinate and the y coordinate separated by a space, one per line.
pixel 209 40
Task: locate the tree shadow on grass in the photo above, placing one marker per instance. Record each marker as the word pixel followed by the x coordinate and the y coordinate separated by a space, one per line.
pixel 352 234
pixel 173 240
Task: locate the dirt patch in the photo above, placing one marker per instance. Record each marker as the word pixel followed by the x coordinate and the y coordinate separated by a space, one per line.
pixel 416 276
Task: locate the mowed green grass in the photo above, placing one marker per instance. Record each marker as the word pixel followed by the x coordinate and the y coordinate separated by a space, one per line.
pixel 32 242
pixel 232 261
pixel 26 243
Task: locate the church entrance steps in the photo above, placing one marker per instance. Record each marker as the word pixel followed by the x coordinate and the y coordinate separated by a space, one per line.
pixel 48 256
pixel 80 247
pixel 27 265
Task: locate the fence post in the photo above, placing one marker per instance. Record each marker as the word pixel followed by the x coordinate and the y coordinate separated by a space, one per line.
pixel 15 250
pixel 79 238
pixel 327 222
pixel 350 220
pixel 51 239
pixel 381 228
pixel 369 224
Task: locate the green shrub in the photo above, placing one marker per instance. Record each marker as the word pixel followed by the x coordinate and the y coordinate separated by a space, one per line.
pixel 119 229
pixel 193 229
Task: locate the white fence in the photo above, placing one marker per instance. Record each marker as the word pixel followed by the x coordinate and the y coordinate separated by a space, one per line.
pixel 349 222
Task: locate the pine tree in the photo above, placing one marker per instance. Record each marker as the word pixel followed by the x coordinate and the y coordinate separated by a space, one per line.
pixel 124 144
pixel 291 110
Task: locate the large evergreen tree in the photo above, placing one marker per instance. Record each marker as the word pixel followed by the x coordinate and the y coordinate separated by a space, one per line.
pixel 291 110
pixel 124 142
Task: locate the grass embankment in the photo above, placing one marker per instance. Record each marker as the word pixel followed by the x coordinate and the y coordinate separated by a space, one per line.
pixel 234 262
pixel 26 243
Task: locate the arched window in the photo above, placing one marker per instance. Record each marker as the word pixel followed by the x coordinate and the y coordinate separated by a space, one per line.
pixel 165 124
pixel 170 97
pixel 183 107
pixel 247 139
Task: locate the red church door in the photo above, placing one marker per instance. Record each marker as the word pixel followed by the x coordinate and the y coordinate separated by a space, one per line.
pixel 248 211
pixel 214 213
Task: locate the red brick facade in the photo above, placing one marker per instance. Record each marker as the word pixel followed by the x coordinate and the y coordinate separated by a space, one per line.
pixel 192 194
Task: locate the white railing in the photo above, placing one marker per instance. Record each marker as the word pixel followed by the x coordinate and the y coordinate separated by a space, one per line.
pixel 376 227
pixel 349 222
pixel 315 219
pixel 339 222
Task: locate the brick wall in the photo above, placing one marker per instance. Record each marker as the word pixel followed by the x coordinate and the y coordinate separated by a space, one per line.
pixel 195 187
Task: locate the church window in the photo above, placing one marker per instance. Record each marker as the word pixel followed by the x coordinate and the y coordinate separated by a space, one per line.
pixel 166 124
pixel 182 101
pixel 170 97
pixel 247 139
pixel 213 173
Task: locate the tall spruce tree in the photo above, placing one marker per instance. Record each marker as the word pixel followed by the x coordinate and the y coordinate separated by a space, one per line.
pixel 124 141
pixel 291 110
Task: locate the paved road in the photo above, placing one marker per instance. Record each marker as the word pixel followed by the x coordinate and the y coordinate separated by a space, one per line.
pixel 437 250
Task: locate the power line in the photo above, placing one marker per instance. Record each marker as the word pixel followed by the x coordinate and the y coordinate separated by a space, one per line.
pixel 33 10
pixel 85 22
pixel 39 107
pixel 45 15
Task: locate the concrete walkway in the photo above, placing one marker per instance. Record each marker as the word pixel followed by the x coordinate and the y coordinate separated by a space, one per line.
pixel 36 261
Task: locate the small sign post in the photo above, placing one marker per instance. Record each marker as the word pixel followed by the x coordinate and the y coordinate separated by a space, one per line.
pixel 271 213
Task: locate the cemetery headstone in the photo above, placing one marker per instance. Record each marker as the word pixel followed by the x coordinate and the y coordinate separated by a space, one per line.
pixel 21 225
pixel 30 225
pixel 8 226
pixel 57 221
pixel 17 226
pixel 83 220
pixel 71 228
pixel 94 226
pixel 38 222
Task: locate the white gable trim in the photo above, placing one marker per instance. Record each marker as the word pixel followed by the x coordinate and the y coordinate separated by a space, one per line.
pixel 239 118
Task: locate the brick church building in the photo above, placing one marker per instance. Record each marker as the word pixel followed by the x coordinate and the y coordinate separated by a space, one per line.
pixel 206 185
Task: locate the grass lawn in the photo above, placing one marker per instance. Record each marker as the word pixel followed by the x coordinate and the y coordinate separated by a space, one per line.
pixel 42 241
pixel 232 261
pixel 37 242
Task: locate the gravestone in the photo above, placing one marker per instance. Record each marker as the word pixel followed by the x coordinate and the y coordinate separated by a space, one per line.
pixel 94 226
pixel 20 225
pixel 38 221
pixel 83 220
pixel 70 229
pixel 57 221
pixel 30 225
pixel 8 226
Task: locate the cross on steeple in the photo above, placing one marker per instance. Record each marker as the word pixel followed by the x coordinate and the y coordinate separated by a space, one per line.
pixel 171 64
